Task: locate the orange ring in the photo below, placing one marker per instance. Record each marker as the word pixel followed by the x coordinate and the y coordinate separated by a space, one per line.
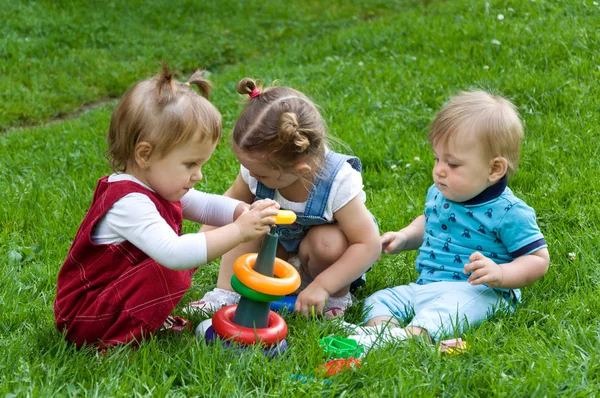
pixel 287 281
pixel 223 324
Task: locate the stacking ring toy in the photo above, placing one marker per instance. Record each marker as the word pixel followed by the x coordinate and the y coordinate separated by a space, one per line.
pixel 252 294
pixel 224 326
pixel 287 281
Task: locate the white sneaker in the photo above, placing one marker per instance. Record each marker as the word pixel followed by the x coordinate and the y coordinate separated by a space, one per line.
pixel 336 306
pixel 353 329
pixel 378 336
pixel 203 327
pixel 212 301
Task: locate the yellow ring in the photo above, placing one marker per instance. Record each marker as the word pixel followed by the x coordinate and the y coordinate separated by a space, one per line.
pixel 287 281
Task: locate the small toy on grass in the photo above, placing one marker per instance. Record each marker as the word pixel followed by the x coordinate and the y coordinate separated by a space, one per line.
pixel 336 366
pixel 310 378
pixel 336 347
pixel 454 346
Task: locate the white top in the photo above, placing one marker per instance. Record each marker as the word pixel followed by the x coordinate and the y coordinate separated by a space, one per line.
pixel 346 186
pixel 134 218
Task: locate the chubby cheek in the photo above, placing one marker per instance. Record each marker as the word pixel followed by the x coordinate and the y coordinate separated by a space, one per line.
pixel 461 186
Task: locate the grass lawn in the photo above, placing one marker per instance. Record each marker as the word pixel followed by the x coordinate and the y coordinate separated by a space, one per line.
pixel 380 71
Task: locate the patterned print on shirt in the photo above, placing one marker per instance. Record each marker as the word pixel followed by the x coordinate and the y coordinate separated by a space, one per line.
pixel 496 238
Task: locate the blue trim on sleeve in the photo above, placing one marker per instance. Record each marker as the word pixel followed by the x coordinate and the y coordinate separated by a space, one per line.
pixel 529 248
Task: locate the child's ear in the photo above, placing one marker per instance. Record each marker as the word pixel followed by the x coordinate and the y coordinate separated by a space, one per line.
pixel 498 168
pixel 302 168
pixel 142 153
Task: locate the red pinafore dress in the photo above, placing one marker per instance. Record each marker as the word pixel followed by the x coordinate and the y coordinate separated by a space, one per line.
pixel 111 294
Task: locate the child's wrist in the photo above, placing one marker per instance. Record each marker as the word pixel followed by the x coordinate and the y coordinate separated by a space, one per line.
pixel 240 209
pixel 501 281
pixel 319 283
pixel 403 238
pixel 237 233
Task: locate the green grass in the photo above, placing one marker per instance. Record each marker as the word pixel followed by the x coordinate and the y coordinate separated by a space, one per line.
pixel 380 71
pixel 59 55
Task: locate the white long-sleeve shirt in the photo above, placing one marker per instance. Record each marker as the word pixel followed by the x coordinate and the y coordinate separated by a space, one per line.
pixel 134 218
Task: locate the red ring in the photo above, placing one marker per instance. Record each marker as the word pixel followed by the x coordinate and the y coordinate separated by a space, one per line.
pixel 224 326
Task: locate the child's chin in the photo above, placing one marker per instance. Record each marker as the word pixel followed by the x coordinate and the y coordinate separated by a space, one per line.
pixel 453 198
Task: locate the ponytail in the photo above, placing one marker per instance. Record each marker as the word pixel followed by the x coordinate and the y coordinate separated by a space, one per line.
pixel 203 85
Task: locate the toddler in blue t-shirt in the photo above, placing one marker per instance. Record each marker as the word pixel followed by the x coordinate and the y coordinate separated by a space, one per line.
pixel 478 243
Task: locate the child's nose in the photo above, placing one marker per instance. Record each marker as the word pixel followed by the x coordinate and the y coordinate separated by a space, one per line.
pixel 197 176
pixel 439 170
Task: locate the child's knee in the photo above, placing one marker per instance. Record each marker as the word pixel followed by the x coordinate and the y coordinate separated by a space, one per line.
pixel 323 246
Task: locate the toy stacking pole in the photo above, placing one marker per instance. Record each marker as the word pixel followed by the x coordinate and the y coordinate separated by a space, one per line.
pixel 255 314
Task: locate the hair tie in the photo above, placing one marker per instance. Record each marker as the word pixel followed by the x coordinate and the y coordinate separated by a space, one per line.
pixel 255 93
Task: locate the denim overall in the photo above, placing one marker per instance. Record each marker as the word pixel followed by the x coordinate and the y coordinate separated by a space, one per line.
pixel 290 236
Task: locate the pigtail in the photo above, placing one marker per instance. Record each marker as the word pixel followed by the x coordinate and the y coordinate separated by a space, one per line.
pixel 245 86
pixel 248 87
pixel 289 131
pixel 204 86
pixel 165 85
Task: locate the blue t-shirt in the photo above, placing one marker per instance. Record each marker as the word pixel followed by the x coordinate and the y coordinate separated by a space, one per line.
pixel 495 223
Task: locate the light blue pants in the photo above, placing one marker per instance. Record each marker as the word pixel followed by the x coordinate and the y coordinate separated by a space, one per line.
pixel 441 308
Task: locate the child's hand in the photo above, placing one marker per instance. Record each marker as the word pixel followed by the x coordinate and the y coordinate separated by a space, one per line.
pixel 241 208
pixel 311 299
pixel 484 270
pixel 257 221
pixel 393 242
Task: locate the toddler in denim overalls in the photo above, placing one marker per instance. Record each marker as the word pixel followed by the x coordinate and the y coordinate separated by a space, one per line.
pixel 280 141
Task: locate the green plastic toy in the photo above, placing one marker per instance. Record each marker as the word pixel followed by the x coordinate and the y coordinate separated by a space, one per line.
pixel 340 347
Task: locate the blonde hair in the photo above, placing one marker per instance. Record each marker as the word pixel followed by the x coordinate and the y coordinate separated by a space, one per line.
pixel 164 113
pixel 491 119
pixel 281 122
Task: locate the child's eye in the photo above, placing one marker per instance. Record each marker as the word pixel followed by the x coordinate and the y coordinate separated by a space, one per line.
pixel 191 165
pixel 453 165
